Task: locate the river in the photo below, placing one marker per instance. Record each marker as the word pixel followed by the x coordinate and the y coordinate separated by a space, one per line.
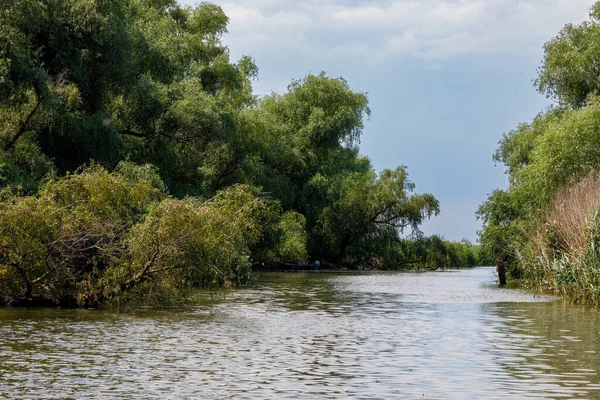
pixel 434 335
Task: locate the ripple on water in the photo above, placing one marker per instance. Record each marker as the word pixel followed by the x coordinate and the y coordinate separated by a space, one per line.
pixel 432 335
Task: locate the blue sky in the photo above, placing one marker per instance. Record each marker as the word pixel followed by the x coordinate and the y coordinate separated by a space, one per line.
pixel 445 78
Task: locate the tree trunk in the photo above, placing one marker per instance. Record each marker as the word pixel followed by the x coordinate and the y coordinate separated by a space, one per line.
pixel 343 246
pixel 501 272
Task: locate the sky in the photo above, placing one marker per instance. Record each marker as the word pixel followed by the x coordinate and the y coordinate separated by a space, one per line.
pixel 445 79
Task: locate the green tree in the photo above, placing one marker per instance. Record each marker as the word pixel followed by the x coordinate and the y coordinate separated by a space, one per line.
pixel 368 210
pixel 309 160
pixel 185 178
pixel 569 72
pixel 555 151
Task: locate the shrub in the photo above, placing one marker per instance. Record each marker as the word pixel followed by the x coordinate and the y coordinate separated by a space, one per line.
pixel 97 236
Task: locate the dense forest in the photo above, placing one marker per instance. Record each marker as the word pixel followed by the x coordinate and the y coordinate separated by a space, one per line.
pixel 136 162
pixel 546 224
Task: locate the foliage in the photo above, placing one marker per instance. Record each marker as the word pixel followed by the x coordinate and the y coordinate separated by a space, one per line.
pixel 525 224
pixel 569 71
pixel 369 210
pixel 97 236
pixel 292 244
pixel 190 179
pixel 308 159
pixel 434 252
pixel 24 167
pixel 565 253
pixel 69 233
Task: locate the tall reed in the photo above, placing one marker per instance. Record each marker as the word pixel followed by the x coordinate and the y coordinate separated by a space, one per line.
pixel 565 251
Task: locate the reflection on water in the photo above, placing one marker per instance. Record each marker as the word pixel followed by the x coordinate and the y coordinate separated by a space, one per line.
pixel 384 335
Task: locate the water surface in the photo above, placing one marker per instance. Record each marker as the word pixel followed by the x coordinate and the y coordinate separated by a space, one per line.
pixel 435 335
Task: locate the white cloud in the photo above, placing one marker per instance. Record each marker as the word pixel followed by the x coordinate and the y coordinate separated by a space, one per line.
pixel 423 29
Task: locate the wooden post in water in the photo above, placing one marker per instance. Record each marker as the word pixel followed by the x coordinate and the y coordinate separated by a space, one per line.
pixel 501 272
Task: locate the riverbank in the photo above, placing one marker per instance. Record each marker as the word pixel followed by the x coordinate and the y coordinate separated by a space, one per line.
pixel 544 224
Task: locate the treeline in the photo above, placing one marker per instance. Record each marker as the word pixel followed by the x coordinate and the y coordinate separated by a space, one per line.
pixel 433 252
pixel 136 162
pixel 545 226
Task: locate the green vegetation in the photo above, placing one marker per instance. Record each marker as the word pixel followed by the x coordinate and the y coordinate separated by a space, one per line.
pixel 545 225
pixel 96 236
pixel 434 252
pixel 135 162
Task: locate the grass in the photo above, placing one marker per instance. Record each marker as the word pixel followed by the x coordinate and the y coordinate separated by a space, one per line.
pixel 565 247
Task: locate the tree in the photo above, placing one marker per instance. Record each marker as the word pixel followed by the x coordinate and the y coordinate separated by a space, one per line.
pixel 184 177
pixel 309 160
pixel 570 72
pixel 555 151
pixel 97 236
pixel 369 210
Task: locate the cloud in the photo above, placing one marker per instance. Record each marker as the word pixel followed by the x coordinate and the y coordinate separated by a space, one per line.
pixel 422 29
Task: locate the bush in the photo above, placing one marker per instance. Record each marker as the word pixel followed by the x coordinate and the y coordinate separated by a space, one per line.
pixel 71 231
pixel 96 237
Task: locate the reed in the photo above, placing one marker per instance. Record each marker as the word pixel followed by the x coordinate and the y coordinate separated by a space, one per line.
pixel 565 251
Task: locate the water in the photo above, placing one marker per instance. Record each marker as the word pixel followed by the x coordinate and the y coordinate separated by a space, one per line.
pixel 435 335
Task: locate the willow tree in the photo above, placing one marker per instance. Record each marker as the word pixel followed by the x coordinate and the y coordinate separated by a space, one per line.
pixel 308 158
pixel 105 80
pixel 150 82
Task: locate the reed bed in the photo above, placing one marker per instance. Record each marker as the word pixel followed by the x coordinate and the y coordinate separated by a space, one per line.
pixel 565 251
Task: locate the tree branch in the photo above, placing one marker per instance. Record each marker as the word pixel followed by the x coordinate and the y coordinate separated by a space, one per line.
pixel 129 132
pixel 24 126
pixel 140 276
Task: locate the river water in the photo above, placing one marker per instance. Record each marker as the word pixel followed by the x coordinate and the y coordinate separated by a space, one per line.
pixel 435 335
